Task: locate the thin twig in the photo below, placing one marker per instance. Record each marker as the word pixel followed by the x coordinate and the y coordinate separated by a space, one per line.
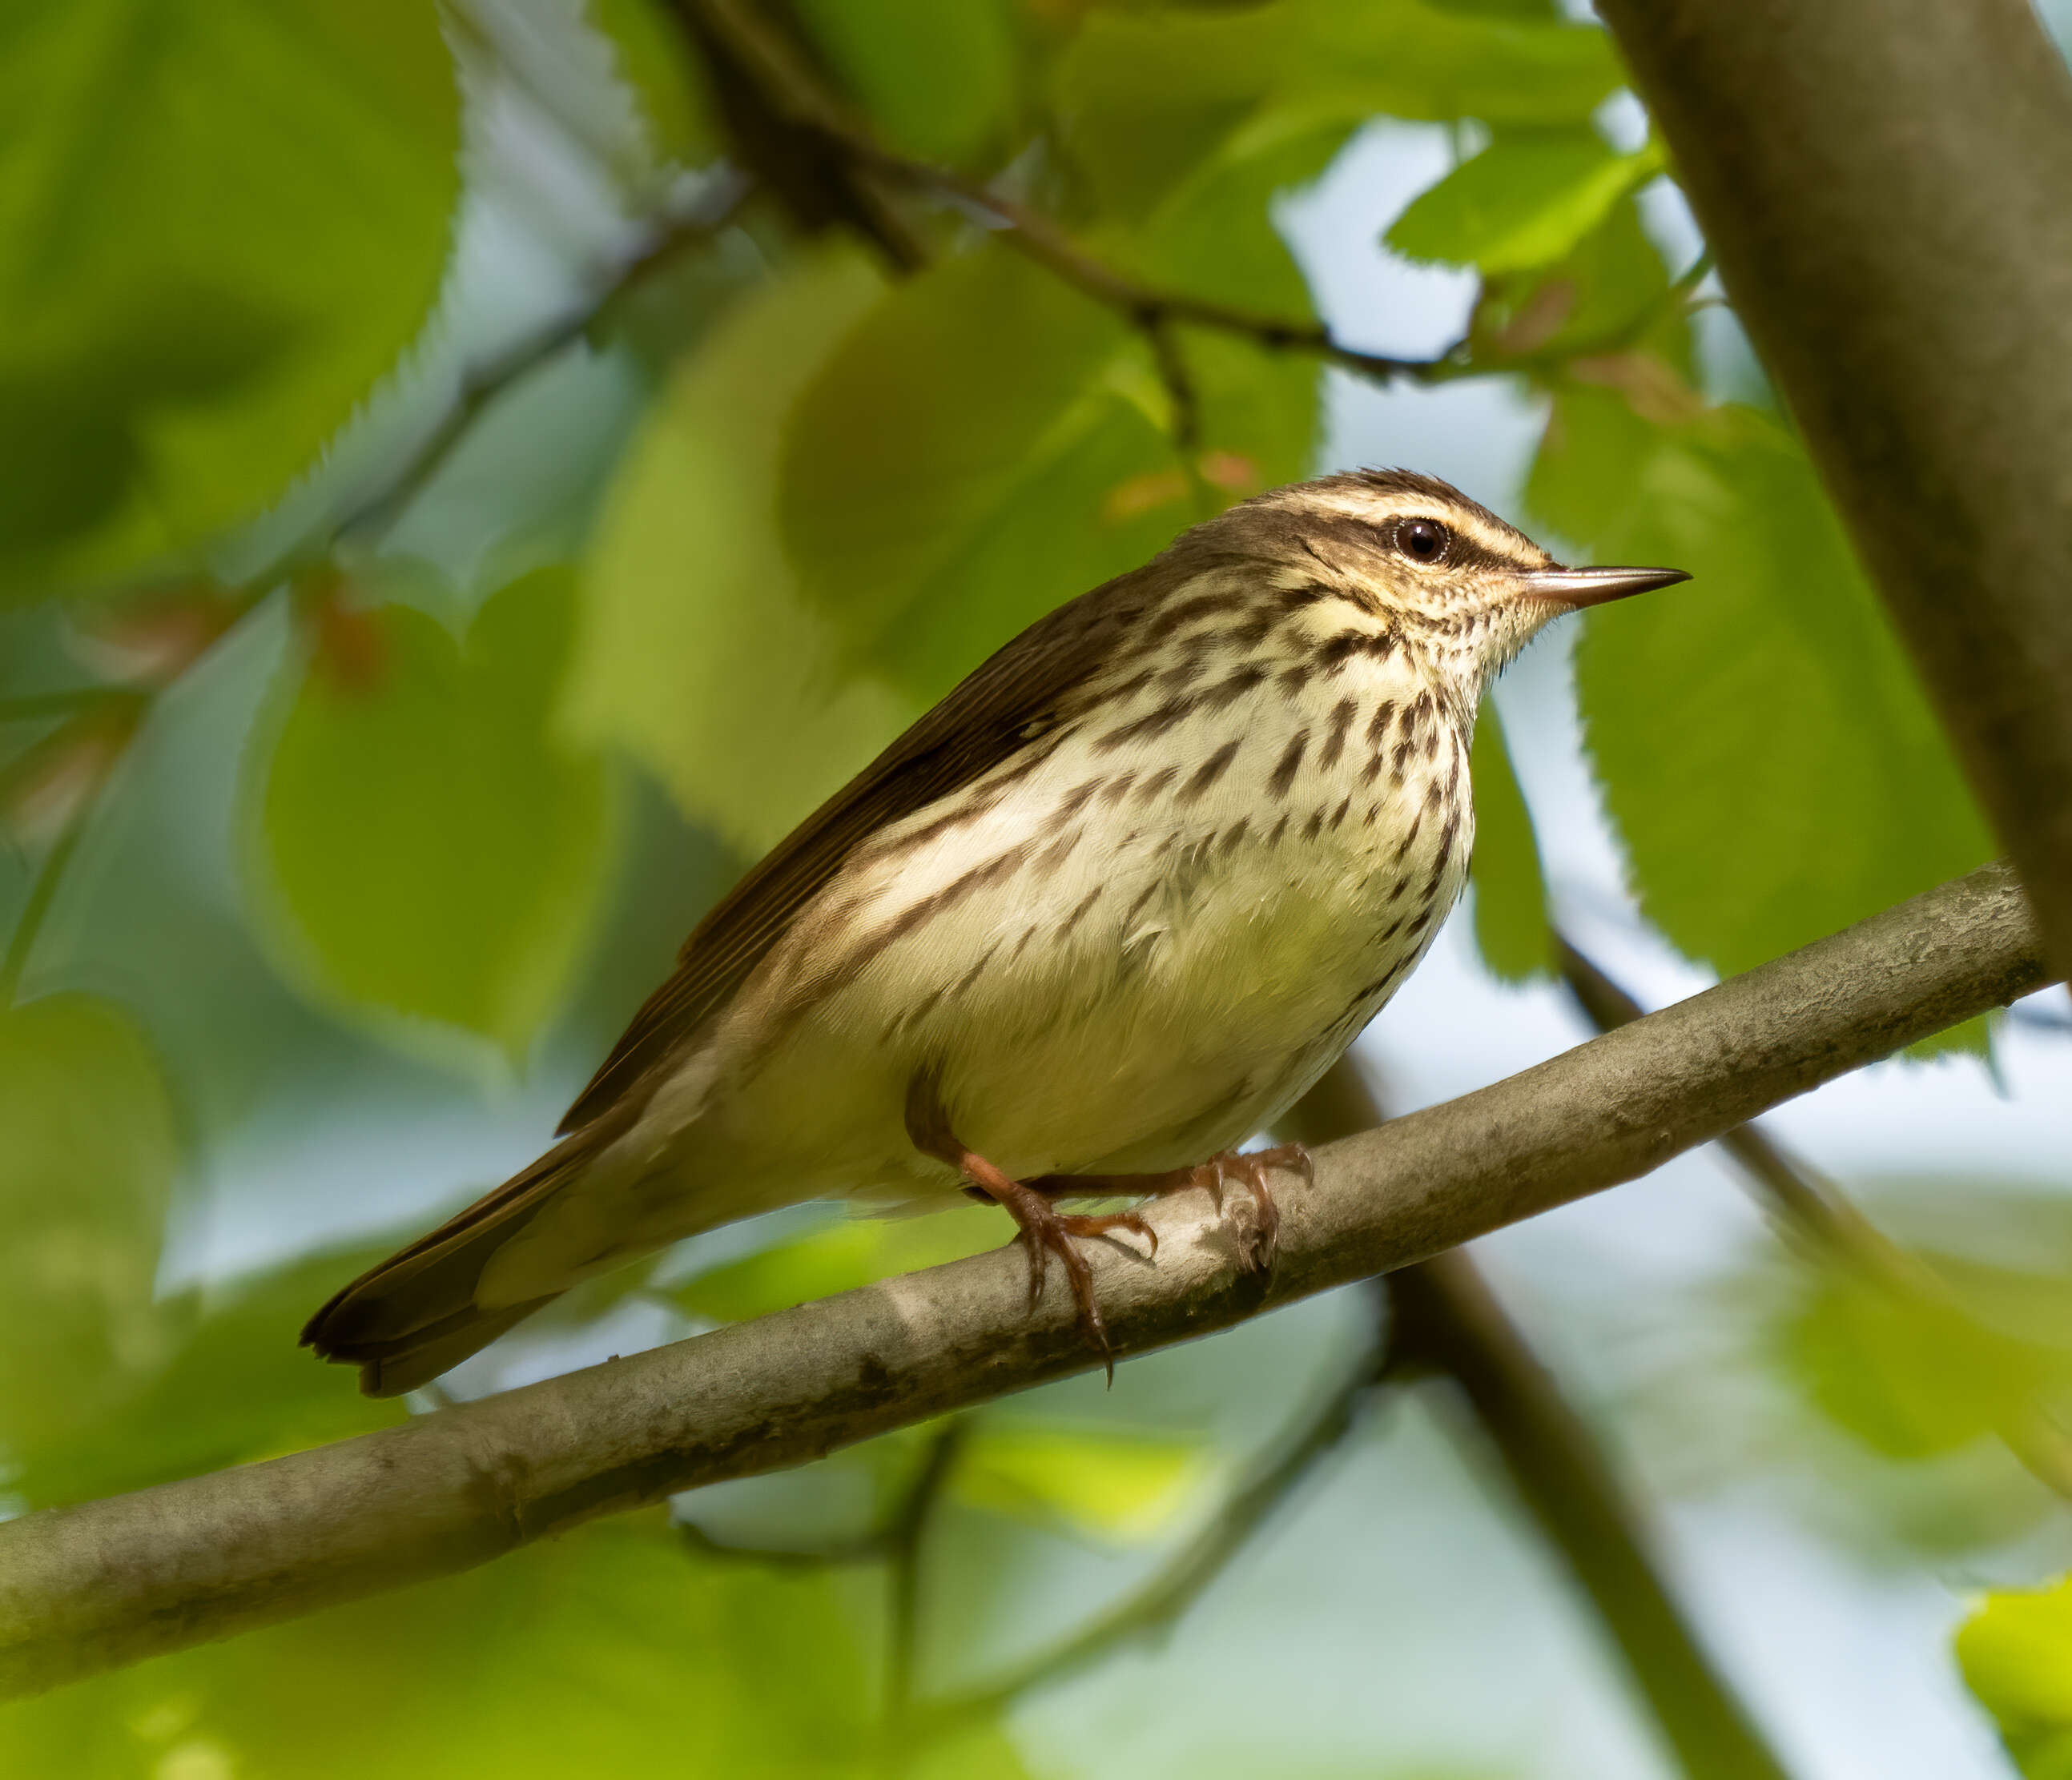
pixel 1157 1607
pixel 799 93
pixel 866 1549
pixel 904 1541
pixel 1825 1220
pixel 483 385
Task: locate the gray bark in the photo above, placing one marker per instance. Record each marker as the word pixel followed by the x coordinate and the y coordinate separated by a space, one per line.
pixel 1887 185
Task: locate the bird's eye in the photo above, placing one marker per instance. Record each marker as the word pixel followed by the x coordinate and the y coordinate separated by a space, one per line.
pixel 1422 540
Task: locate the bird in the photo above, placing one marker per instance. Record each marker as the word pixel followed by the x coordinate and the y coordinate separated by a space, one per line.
pixel 1097 919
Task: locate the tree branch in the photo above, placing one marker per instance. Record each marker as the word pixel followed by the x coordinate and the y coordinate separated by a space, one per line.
pixel 86 1588
pixel 1885 183
pixel 1826 1223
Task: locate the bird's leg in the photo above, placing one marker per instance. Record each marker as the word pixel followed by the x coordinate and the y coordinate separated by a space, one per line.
pixel 1043 1231
pixel 1251 1167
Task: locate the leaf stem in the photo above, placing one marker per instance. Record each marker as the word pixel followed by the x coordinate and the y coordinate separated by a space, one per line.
pixel 42 893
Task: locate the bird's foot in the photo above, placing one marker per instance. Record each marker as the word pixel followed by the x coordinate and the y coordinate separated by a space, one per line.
pixel 1251 1167
pixel 1247 1168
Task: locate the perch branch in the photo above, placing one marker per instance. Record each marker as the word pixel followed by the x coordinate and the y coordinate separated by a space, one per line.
pixel 82 1588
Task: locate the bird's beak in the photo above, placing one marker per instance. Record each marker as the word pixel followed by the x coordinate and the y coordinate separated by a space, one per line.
pixel 1575 587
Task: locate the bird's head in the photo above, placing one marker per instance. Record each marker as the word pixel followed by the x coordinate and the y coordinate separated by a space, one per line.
pixel 1440 571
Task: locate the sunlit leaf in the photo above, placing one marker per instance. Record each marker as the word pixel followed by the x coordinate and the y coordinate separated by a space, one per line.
pixel 2016 1653
pixel 836 1258
pixel 696 653
pixel 1511 931
pixel 428 851
pixel 1763 745
pixel 220 223
pixel 1144 97
pixel 1527 200
pixel 939 78
pixel 88 1146
pixel 1104 1483
pixel 236 1386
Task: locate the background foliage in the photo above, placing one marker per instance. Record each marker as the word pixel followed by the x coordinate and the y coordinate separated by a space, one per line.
pixel 471 479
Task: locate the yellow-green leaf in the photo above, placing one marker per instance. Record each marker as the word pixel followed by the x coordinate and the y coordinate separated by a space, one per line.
pixel 1106 1483
pixel 429 853
pixel 1763 743
pixel 88 1147
pixel 1511 931
pixel 836 1258
pixel 697 654
pixel 1527 200
pixel 2016 1653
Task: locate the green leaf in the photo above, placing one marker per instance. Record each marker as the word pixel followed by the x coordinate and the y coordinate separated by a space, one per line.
pixel 86 1167
pixel 1511 931
pixel 1106 1483
pixel 941 494
pixel 920 429
pixel 939 78
pixel 611 1651
pixel 1144 98
pixel 221 221
pixel 648 48
pixel 1910 1378
pixel 1764 747
pixel 2016 1653
pixel 1527 200
pixel 428 852
pixel 836 1258
pixel 238 1387
pixel 697 654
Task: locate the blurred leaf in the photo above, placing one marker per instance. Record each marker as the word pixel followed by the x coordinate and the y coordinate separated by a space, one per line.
pixel 836 1258
pixel 1104 1482
pixel 1909 1378
pixel 648 49
pixel 696 653
pixel 219 225
pixel 611 1651
pixel 429 850
pixel 2016 1653
pixel 237 1388
pixel 1612 287
pixel 1527 200
pixel 1763 745
pixel 910 441
pixel 939 78
pixel 1510 891
pixel 86 1161
pixel 1144 97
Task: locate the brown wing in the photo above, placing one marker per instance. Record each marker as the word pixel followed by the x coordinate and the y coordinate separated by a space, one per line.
pixel 986 719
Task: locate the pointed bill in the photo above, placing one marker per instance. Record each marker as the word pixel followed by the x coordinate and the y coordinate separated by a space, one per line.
pixel 1581 587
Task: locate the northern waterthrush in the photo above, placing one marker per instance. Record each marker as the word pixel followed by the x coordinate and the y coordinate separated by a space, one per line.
pixel 1110 908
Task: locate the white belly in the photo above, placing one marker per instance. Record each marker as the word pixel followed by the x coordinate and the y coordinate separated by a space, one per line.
pixel 1129 990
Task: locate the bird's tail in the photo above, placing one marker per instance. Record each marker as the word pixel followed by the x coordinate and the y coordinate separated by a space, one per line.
pixel 409 1319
